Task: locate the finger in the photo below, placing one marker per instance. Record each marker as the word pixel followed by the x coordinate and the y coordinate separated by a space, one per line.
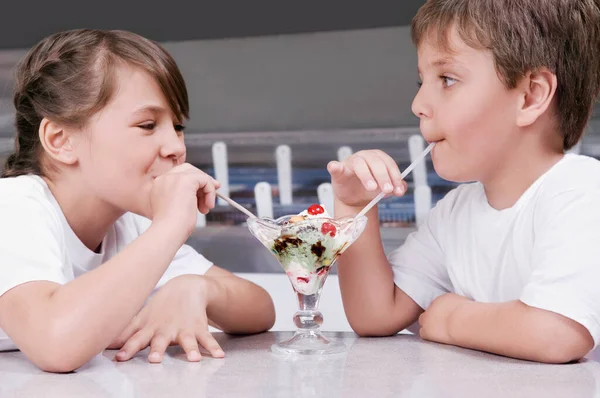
pixel 203 206
pixel 379 169
pixel 401 190
pixel 206 191
pixel 182 168
pixel 421 318
pixel 210 195
pixel 200 203
pixel 208 341
pixel 340 171
pixel 158 346
pixel 136 343
pixel 125 335
pixel 336 169
pixel 363 172
pixel 372 172
pixel 189 343
pixel 394 172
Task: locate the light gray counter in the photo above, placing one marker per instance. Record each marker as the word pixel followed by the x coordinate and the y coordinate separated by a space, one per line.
pixel 399 366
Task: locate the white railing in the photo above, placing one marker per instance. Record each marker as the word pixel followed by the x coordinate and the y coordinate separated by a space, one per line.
pixel 283 155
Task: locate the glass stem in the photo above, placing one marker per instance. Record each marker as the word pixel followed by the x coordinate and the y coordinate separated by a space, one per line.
pixel 308 319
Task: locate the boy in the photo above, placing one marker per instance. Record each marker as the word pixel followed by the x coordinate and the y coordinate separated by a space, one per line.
pixel 509 264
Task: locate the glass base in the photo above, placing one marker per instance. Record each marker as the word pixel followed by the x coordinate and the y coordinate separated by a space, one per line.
pixel 308 343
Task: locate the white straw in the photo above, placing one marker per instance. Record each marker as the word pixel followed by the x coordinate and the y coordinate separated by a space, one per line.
pixel 406 172
pixel 236 205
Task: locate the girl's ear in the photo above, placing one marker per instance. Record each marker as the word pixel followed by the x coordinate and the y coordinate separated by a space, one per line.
pixel 57 142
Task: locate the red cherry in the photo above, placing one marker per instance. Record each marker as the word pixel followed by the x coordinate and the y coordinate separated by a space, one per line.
pixel 328 228
pixel 315 209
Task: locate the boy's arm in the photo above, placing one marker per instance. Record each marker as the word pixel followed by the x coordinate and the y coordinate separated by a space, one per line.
pixel 382 297
pixel 238 305
pixel 512 329
pixel 374 305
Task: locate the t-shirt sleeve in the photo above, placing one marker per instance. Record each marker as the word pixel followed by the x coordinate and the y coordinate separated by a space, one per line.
pixel 30 244
pixel 566 259
pixel 418 265
pixel 187 260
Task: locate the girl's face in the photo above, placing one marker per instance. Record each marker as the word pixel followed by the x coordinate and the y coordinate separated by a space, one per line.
pixel 127 144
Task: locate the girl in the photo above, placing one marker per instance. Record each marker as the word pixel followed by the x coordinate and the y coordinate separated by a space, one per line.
pixel 96 203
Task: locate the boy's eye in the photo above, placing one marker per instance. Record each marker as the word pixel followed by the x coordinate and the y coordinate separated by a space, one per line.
pixel 419 83
pixel 448 81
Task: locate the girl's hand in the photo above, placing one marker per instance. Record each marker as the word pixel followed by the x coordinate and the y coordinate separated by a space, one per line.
pixel 176 314
pixel 177 196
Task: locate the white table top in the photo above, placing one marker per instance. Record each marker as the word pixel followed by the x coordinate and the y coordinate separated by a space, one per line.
pixel 399 366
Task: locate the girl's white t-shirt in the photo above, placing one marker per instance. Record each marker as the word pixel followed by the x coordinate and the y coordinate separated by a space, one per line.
pixel 544 250
pixel 37 243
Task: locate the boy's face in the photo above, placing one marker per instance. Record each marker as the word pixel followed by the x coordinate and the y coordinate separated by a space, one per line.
pixel 131 141
pixel 464 106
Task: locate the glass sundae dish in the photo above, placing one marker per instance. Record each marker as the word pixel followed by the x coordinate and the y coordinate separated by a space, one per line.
pixel 307 245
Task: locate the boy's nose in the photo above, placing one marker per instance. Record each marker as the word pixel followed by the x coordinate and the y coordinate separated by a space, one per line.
pixel 420 107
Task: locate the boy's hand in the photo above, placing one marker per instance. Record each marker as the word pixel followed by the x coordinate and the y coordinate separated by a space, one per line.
pixel 363 175
pixel 176 314
pixel 435 321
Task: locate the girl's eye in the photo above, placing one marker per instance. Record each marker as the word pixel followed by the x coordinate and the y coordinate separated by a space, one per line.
pixel 179 128
pixel 419 83
pixel 147 126
pixel 448 81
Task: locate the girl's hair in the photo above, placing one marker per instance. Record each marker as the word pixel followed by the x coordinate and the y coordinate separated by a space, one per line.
pixel 69 76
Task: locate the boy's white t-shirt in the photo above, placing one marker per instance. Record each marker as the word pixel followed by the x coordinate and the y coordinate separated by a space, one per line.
pixel 37 243
pixel 544 251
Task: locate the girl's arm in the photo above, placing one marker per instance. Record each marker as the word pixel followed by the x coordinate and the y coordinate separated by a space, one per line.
pixel 61 327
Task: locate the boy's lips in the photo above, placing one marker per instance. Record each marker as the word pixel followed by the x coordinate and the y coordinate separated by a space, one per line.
pixel 431 137
pixel 436 141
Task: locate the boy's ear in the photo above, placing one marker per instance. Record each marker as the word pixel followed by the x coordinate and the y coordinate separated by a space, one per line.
pixel 537 92
pixel 57 142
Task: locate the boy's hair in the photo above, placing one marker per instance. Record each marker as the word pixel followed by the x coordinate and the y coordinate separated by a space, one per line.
pixel 69 76
pixel 524 36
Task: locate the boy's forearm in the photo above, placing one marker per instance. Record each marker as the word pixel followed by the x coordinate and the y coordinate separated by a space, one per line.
pixel 367 282
pixel 517 330
pixel 236 305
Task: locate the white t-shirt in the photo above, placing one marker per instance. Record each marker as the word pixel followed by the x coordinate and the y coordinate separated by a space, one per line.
pixel 37 243
pixel 544 251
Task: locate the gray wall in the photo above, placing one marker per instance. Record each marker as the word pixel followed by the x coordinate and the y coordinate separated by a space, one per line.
pixel 349 79
pixel 334 80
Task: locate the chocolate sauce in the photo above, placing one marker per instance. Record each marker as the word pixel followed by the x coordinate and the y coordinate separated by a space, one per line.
pixel 282 243
pixel 317 249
